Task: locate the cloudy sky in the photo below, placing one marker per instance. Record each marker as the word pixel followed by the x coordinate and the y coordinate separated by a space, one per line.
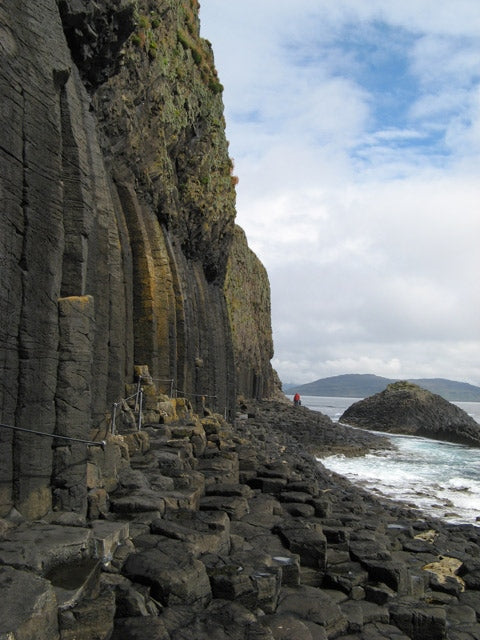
pixel 355 131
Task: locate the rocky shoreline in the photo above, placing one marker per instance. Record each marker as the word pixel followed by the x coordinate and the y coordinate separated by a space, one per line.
pixel 236 531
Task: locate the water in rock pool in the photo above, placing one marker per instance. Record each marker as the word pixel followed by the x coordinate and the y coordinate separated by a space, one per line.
pixel 439 478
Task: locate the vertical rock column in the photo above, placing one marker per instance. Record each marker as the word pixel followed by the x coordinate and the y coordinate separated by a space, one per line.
pixel 247 292
pixel 73 401
pixel 31 50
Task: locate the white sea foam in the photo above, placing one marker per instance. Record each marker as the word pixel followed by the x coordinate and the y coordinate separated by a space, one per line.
pixel 440 478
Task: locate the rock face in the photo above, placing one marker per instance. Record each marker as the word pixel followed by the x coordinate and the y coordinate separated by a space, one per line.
pixel 118 216
pixel 404 407
pixel 248 301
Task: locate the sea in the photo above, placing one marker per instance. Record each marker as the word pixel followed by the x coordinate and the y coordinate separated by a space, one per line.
pixel 438 478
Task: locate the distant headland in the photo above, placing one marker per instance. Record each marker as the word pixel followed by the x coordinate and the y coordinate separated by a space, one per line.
pixel 353 385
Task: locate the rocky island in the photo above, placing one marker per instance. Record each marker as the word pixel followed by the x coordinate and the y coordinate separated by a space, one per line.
pixel 154 482
pixel 404 407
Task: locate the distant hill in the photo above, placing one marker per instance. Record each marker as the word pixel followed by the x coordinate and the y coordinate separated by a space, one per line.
pixel 353 385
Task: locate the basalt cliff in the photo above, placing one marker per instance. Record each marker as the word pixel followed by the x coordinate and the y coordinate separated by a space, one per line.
pixel 118 243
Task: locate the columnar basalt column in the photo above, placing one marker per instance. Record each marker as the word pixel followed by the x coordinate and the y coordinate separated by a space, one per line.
pixel 73 400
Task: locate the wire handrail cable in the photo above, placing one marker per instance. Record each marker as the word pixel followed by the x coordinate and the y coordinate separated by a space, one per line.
pixel 195 395
pixel 101 443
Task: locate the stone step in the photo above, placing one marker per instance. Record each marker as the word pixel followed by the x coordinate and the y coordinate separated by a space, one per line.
pixel 182 499
pixel 235 506
pixel 107 536
pixel 229 489
pixel 207 532
pixel 219 467
pixel 40 547
pixel 138 502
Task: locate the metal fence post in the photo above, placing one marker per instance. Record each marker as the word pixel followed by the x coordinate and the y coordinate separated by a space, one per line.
pixel 138 392
pixel 114 417
pixel 140 411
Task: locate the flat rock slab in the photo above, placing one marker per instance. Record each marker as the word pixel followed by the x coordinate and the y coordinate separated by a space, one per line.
pixel 229 489
pixel 236 507
pixel 314 605
pixel 108 536
pixel 204 521
pixel 208 532
pixel 173 578
pixel 145 501
pixel 39 546
pixel 28 606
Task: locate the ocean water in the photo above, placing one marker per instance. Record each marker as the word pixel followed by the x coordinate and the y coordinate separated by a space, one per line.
pixel 439 478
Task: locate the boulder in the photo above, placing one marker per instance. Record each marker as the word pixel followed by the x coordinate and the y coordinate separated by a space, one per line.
pixel 28 609
pixel 403 407
pixel 307 540
pixel 91 618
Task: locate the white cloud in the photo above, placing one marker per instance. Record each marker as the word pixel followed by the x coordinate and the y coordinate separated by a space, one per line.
pixel 438 59
pixel 463 132
pixel 358 179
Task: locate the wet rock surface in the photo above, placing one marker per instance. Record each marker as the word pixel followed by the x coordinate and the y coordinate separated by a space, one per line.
pixel 404 407
pixel 271 546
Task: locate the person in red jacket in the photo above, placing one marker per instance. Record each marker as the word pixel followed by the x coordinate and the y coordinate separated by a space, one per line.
pixel 296 400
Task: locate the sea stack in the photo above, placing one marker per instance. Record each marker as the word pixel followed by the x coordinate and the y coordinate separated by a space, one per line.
pixel 404 407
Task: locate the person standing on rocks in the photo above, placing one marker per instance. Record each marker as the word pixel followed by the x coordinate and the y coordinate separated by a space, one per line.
pixel 296 400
